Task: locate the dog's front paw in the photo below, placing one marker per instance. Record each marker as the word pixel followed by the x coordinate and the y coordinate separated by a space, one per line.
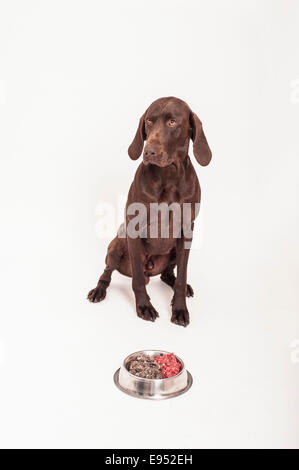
pixel 180 316
pixel 146 311
pixel 99 293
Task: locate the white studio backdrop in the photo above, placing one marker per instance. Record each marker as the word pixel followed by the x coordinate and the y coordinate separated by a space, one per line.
pixel 75 76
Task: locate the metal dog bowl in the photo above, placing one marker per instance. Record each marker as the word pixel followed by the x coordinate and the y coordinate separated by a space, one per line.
pixel 152 389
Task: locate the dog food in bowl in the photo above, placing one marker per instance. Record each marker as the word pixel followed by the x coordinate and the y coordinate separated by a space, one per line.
pixel 162 366
pixel 153 374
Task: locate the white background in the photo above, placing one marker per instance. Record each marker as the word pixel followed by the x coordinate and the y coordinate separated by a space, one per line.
pixel 75 76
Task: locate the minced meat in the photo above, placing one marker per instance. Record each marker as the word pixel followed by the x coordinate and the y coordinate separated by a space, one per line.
pixel 169 364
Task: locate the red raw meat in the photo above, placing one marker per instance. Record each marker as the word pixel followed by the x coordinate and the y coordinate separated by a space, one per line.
pixel 170 365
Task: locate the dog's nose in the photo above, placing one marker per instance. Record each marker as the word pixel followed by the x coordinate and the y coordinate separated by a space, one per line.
pixel 150 151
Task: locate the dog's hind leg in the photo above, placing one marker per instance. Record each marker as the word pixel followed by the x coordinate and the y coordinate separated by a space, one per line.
pixel 113 259
pixel 169 278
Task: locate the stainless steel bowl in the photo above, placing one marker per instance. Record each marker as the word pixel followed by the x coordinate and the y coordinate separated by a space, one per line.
pixel 152 389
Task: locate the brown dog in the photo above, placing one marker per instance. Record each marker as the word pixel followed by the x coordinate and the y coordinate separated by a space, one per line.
pixel 166 175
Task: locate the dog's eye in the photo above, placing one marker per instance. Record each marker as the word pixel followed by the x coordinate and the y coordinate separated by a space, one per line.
pixel 149 122
pixel 171 122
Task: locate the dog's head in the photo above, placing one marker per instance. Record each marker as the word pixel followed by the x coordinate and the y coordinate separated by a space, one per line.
pixel 167 126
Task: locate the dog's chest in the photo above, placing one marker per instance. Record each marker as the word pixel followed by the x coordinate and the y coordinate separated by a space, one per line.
pixel 169 194
pixel 163 220
pixel 164 199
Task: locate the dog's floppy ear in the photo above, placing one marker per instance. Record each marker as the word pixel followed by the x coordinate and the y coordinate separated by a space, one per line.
pixel 136 146
pixel 201 149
